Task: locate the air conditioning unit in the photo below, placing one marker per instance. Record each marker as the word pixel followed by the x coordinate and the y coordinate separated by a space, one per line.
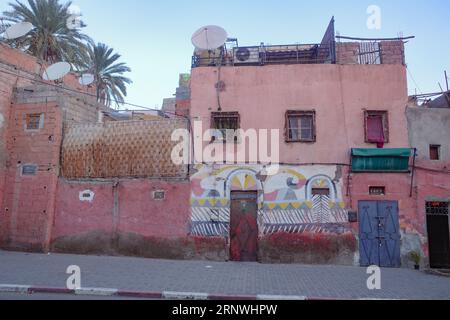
pixel 246 55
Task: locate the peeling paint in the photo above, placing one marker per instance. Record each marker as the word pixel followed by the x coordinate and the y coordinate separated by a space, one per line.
pixel 2 120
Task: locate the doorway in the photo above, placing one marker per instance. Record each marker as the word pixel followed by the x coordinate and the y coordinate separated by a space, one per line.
pixel 438 234
pixel 379 234
pixel 244 226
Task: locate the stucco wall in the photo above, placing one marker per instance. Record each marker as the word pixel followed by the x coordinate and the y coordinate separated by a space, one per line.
pixel 122 217
pixel 338 93
pixel 429 127
pixel 28 204
pixel 19 70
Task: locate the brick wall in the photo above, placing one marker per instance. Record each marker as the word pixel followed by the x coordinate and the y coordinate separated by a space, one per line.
pixel 21 91
pixel 28 204
pixel 347 53
pixel 392 52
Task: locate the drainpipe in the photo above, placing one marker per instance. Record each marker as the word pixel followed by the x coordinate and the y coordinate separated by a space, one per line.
pixel 413 172
pixel 115 216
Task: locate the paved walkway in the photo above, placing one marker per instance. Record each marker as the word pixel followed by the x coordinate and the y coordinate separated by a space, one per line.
pixel 218 278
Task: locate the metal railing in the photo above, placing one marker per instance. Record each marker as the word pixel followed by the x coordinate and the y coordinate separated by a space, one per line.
pixel 266 55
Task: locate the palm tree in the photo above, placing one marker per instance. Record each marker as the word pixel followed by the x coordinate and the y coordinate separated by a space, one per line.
pixel 53 38
pixel 109 74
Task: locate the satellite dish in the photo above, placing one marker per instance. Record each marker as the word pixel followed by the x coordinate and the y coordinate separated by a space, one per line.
pixel 56 71
pixel 18 30
pixel 209 38
pixel 86 79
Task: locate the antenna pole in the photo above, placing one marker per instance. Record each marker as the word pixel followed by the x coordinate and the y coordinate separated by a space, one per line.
pixel 446 78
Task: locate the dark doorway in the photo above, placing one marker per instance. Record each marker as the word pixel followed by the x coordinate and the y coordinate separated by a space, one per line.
pixel 244 226
pixel 379 234
pixel 438 234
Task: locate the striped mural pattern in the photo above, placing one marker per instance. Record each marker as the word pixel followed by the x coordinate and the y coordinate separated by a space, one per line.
pixel 215 221
pixel 336 228
pixel 204 214
pixel 321 208
pixel 210 229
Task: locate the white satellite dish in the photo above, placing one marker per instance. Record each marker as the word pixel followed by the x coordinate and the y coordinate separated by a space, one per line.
pixel 86 79
pixel 209 38
pixel 18 30
pixel 56 71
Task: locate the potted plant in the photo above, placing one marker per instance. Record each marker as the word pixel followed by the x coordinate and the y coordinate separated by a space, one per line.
pixel 416 257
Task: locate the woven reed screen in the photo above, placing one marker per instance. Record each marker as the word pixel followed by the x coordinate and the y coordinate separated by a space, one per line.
pixel 126 149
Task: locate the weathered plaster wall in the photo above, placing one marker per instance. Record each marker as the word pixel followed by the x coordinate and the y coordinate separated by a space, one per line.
pixel 288 212
pixel 28 205
pixel 427 127
pixel 432 177
pixel 19 70
pixel 338 93
pixel 122 217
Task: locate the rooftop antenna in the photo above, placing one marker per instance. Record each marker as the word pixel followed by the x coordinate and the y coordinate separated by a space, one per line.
pixel 56 71
pixel 209 38
pixel 86 79
pixel 17 30
pixel 446 78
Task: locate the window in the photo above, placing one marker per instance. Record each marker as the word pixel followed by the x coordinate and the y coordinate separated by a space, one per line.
pixel 159 195
pixel 226 123
pixel 377 191
pixel 437 208
pixel 29 170
pixel 301 126
pixel 435 152
pixel 321 192
pixel 377 127
pixel 34 121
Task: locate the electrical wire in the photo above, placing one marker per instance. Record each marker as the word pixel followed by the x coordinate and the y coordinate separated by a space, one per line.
pixel 414 80
pixel 79 92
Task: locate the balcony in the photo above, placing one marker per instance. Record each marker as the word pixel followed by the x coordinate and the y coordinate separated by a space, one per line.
pixel 267 55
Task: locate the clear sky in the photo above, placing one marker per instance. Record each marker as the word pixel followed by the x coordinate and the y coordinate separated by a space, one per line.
pixel 154 36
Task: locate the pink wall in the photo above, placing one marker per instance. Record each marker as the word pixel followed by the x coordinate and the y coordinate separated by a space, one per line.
pixel 14 61
pixel 125 207
pixel 338 93
pixel 73 216
pixel 29 200
pixel 140 214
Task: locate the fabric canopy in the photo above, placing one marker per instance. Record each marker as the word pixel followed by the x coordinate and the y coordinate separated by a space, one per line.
pixel 403 152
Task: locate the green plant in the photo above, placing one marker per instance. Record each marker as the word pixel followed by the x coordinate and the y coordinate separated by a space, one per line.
pixel 111 82
pixel 52 38
pixel 415 257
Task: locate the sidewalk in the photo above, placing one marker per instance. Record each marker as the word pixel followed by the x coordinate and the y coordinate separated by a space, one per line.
pixel 168 279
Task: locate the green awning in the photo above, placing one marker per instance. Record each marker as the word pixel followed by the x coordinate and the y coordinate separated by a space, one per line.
pixel 382 152
pixel 381 160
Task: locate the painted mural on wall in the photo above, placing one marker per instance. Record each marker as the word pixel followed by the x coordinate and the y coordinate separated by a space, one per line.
pixel 295 200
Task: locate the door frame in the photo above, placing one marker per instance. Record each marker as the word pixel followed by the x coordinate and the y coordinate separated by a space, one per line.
pixel 250 195
pixel 427 216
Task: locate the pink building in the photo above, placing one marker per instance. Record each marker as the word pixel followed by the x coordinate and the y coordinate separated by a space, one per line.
pixel 345 191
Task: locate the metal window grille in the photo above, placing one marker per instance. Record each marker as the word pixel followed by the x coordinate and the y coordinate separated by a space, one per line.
pixel 437 208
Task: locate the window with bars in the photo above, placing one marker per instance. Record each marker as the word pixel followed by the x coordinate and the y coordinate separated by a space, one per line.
pixel 34 121
pixel 437 208
pixel 435 152
pixel 225 124
pixel 376 127
pixel 301 126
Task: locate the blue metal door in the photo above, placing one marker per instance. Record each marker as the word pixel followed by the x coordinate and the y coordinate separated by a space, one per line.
pixel 379 234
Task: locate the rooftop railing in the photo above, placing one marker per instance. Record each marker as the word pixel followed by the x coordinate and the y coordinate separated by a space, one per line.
pixel 266 55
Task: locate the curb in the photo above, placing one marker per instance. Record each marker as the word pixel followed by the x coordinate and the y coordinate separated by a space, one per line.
pixel 166 295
